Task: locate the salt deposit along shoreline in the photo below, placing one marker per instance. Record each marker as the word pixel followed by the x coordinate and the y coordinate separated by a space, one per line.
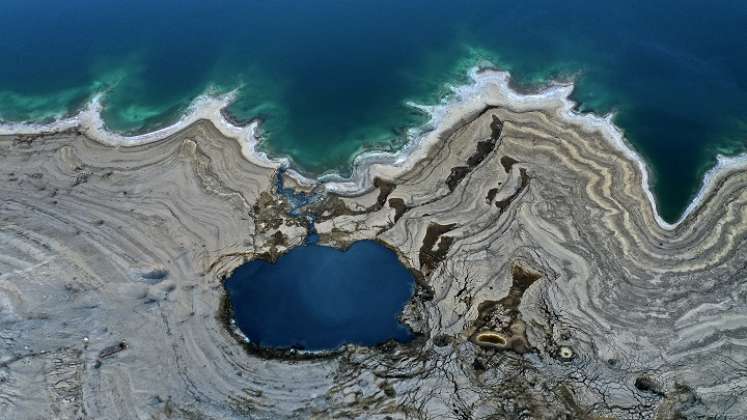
pixel 489 87
pixel 544 283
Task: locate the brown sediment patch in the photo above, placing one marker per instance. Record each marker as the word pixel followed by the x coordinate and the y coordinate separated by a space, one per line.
pixel 484 147
pixel 455 176
pixel 490 196
pixel 385 188
pixel 523 183
pixel 522 278
pixel 332 205
pixel 429 257
pixel 329 207
pixel 514 333
pixel 399 207
pixel 508 162
pixel 268 211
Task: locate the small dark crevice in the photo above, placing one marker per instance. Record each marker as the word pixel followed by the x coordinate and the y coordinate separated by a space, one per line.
pixel 645 383
pixel 508 162
pixel 110 351
pixel 491 195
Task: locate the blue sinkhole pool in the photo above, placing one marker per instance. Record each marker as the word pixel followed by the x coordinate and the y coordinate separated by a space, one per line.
pixel 319 298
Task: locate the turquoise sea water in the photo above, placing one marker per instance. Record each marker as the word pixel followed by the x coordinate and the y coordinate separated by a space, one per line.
pixel 330 78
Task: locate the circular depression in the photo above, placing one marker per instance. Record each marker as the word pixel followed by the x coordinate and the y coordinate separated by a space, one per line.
pixel 319 298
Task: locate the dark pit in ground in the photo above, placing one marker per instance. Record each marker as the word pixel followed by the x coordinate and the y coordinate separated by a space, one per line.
pixel 320 298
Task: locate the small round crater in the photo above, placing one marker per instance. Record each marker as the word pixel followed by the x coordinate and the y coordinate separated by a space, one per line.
pixel 441 340
pixel 491 339
pixel 566 353
pixel 645 383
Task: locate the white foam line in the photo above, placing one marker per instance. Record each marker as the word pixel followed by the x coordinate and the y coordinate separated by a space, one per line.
pixel 491 88
pixel 488 88
pixel 204 107
pixel 9 129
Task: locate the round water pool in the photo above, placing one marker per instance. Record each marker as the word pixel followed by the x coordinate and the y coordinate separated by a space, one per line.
pixel 319 298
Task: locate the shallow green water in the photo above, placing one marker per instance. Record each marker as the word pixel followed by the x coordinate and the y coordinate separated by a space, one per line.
pixel 330 78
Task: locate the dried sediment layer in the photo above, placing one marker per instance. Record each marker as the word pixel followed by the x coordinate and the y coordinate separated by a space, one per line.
pixel 548 289
pixel 629 298
pixel 105 245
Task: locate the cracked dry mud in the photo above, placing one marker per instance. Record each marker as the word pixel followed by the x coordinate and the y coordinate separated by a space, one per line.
pixel 546 289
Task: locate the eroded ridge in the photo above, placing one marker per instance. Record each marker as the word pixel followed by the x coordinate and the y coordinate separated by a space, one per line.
pixel 546 286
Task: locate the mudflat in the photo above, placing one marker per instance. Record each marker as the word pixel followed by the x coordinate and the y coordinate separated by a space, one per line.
pixel 546 282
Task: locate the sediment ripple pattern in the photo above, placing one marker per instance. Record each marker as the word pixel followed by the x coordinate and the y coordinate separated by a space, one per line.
pixel 522 225
pixel 109 293
pixel 654 317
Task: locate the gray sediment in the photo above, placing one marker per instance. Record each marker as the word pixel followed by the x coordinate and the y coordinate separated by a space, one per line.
pixel 547 288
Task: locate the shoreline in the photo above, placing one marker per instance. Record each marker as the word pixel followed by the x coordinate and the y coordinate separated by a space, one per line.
pixel 488 87
pixel 518 225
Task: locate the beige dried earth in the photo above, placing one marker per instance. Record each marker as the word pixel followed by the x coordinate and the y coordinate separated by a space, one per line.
pixel 546 287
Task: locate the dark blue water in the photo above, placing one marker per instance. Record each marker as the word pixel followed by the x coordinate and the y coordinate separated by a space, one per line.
pixel 330 77
pixel 319 298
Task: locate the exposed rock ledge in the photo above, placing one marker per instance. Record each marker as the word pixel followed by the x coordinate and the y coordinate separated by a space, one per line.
pixel 548 290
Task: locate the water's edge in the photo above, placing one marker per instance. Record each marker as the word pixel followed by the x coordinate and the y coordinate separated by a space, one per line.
pixel 488 87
